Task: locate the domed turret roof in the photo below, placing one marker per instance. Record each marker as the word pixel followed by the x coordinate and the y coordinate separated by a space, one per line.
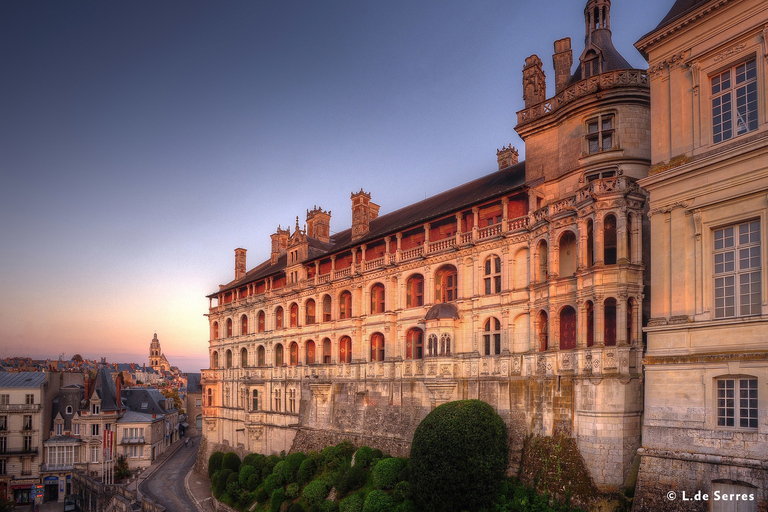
pixel 443 310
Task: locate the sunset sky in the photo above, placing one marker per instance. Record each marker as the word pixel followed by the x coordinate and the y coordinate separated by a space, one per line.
pixel 141 142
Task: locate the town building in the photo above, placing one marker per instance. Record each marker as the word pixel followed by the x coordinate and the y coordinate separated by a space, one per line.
pixel 157 359
pixel 524 288
pixel 21 431
pixel 194 401
pixel 706 366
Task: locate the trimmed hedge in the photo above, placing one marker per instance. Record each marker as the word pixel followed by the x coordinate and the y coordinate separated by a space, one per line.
pixel 214 463
pixel 378 501
pixel 458 457
pixel 231 461
pixel 220 485
pixel 363 456
pixel 277 499
pixel 354 478
pixel 291 466
pixel 352 503
pixel 387 471
pixel 306 471
pixel 244 474
pixel 316 491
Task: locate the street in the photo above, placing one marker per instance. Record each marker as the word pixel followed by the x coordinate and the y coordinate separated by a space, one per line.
pixel 166 484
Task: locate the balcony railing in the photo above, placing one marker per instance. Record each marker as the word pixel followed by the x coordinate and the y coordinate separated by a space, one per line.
pixel 19 407
pixel 132 440
pixel 57 467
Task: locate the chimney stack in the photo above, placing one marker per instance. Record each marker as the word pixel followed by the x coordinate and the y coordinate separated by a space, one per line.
pixel 279 243
pixel 506 156
pixel 319 224
pixel 363 212
pixel 239 263
pixel 562 60
pixel 534 85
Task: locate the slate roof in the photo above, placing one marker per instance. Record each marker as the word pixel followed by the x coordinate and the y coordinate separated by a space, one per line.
pixel 193 383
pixel 612 59
pixel 22 379
pixel 678 10
pixel 137 417
pixel 106 389
pixel 453 200
pixel 135 398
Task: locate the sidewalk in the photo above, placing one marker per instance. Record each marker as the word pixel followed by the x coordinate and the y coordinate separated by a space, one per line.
pixel 198 487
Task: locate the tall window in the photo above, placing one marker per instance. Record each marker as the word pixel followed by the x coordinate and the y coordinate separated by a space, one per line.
pixel 229 359
pixel 261 355
pixel 377 347
pixel 229 327
pixel 255 400
pixel 445 284
pixel 377 298
pixel 243 357
pixel 309 308
pixel 294 352
pixel 310 352
pixel 543 321
pixel 737 267
pixel 215 360
pixel 432 345
pixel 414 344
pixel 261 321
pixel 210 397
pixel 445 345
pixel 345 349
pixel 493 275
pixel 27 422
pixel 492 337
pixel 3 423
pixel 243 324
pixel 737 403
pixel 326 308
pixel 294 315
pixel 599 136
pixel 279 317
pixel 738 83
pixel 3 444
pixel 610 322
pixel 278 355
pixel 414 293
pixel 215 330
pixel 567 254
pixel 542 263
pixel 609 240
pixel 345 305
pixel 291 400
pixel 277 400
pixel 326 351
pixel 567 328
pixel 590 313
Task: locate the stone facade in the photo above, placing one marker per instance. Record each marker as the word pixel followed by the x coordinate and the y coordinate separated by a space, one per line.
pixel 706 366
pixel 523 288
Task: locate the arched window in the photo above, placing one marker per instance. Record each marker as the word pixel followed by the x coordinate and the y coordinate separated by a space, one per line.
pixel 567 254
pixel 309 308
pixel 567 328
pixel 590 243
pixel 414 344
pixel 590 313
pixel 610 322
pixel 229 358
pixel 294 315
pixel 543 326
pixel 345 349
pixel 609 240
pixel 377 298
pixel 244 324
pixel 294 353
pixel 215 330
pixel 279 317
pixel 261 355
pixel 310 350
pixel 630 320
pixel 445 284
pixel 278 355
pixel 541 267
pixel 492 275
pixel 377 347
pixel 327 308
pixel 432 345
pixel 445 345
pixel 492 337
pixel 210 397
pixel 215 360
pixel 345 305
pixel 255 400
pixel 414 293
pixel 229 327
pixel 591 65
pixel 262 321
pixel 243 357
pixel 327 351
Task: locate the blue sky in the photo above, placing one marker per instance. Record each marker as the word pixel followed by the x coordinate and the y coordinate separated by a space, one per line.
pixel 142 142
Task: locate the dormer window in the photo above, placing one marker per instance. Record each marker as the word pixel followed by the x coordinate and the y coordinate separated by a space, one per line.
pixel 591 64
pixel 599 134
pixel 94 408
pixel 735 85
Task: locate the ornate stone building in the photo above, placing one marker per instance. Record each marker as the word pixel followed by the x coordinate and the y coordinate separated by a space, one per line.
pixel 706 367
pixel 157 359
pixel 523 288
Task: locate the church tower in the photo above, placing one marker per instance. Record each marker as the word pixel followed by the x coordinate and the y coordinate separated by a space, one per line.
pixel 155 355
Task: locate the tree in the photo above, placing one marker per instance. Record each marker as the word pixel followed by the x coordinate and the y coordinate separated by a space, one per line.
pixel 77 358
pixel 121 467
pixel 458 456
pixel 174 394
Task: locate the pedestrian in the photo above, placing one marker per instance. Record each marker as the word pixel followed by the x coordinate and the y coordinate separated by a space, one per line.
pixel 186 442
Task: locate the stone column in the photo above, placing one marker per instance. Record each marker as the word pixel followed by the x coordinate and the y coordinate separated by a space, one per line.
pixel 387 240
pixel 504 214
pixel 622 254
pixel 333 270
pixel 398 251
pixel 598 252
pixel 363 248
pixel 317 274
pixel 599 334
pixel 425 248
pixel 621 320
pixel 459 218
pixel 475 222
pixel 582 252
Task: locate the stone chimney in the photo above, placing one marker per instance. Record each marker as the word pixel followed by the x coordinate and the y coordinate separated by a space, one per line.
pixel 279 243
pixel 562 60
pixel 506 156
pixel 534 85
pixel 239 263
pixel 363 212
pixel 319 224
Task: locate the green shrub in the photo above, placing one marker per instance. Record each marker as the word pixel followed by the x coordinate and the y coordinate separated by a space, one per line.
pixel 269 465
pixel 221 481
pixel 214 479
pixel 402 491
pixel 262 496
pixel 328 506
pixel 291 466
pixel 387 471
pixel 306 470
pixel 245 473
pixel 407 506
pixel 378 501
pixel 253 482
pixel 458 457
pixel 377 454
pixel 214 462
pixel 363 456
pixel 231 461
pixel 277 499
pixel 295 508
pixel 271 483
pixel 316 491
pixel 352 503
pixel 352 479
pixel 278 470
pixel 226 499
pixel 292 490
pixel 249 459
